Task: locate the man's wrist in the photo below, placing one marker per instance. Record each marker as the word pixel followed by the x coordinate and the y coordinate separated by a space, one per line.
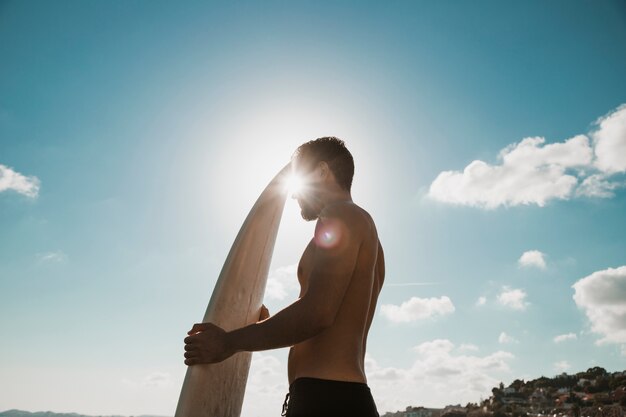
pixel 233 340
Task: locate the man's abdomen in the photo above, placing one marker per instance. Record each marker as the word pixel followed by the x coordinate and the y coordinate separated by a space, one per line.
pixel 336 362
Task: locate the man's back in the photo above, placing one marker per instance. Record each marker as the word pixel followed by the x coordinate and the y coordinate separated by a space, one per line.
pixel 338 352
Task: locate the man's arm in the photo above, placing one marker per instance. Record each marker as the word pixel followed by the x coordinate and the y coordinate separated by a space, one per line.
pixel 338 237
pixel 338 240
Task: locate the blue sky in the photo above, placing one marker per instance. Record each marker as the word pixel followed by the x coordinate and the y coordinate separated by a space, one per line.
pixel 490 148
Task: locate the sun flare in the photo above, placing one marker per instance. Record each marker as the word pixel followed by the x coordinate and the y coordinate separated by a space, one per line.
pixel 293 184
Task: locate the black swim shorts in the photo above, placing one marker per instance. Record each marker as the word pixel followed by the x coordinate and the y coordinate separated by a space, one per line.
pixel 316 397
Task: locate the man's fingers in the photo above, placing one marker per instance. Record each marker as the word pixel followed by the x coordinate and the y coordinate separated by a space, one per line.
pixel 192 354
pixel 193 343
pixel 195 328
pixel 265 313
pixel 198 327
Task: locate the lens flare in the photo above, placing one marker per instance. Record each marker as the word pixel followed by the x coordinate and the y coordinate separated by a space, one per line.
pixel 328 234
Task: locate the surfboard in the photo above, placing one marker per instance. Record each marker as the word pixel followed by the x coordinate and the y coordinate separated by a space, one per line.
pixel 217 389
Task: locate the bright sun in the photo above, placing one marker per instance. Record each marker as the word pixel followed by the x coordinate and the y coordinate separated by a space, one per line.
pixel 293 184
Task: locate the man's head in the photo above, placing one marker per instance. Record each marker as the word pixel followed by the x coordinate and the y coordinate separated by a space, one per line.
pixel 325 167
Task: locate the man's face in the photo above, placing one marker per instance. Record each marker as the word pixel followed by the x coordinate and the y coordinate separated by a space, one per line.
pixel 307 194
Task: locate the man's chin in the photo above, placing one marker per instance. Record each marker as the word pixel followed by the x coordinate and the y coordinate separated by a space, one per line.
pixel 307 215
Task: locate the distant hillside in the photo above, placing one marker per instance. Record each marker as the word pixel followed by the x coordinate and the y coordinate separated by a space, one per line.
pixel 591 393
pixel 20 413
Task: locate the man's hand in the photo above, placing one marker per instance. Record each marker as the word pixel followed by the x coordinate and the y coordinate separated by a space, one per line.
pixel 207 343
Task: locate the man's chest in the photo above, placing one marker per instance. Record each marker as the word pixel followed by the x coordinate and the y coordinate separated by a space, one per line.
pixel 305 266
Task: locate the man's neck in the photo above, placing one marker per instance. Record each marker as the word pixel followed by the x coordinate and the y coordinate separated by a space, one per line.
pixel 337 198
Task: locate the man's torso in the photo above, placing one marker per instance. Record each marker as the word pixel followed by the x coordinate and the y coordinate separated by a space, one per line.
pixel 338 352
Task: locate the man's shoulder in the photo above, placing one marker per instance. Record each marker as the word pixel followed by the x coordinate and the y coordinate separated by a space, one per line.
pixel 350 214
pixel 345 209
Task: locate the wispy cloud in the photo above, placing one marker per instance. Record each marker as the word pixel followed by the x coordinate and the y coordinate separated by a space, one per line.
pixel 562 366
pixel 564 337
pixel 505 338
pixel 533 258
pixel 156 379
pixel 417 308
pixel 13 180
pixel 597 185
pixel 52 257
pixel 514 298
pixel 533 172
pixel 467 347
pixel 482 300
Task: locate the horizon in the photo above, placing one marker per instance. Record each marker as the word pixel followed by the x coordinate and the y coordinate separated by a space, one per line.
pixel 489 143
pixel 451 406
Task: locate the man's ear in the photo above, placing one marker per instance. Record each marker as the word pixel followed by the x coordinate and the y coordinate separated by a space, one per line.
pixel 324 170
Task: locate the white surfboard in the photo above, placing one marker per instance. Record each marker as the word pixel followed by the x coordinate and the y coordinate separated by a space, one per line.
pixel 217 390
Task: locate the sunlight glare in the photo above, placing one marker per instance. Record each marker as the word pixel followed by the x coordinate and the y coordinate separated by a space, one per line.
pixel 293 184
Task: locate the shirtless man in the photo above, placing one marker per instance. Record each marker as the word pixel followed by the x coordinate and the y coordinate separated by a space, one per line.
pixel 341 273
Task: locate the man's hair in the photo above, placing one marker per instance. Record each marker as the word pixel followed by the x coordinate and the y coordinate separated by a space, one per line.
pixel 333 151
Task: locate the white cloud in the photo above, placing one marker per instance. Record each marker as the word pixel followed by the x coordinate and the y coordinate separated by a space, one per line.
pixel 602 295
pixel 434 347
pixel 533 172
pixel 481 301
pixel 438 376
pixel 417 309
pixel 529 173
pixel 505 338
pixel 12 180
pixel 564 337
pixel 267 385
pixel 282 281
pixel 513 298
pixel 52 257
pixel 562 366
pixel 610 141
pixel 533 258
